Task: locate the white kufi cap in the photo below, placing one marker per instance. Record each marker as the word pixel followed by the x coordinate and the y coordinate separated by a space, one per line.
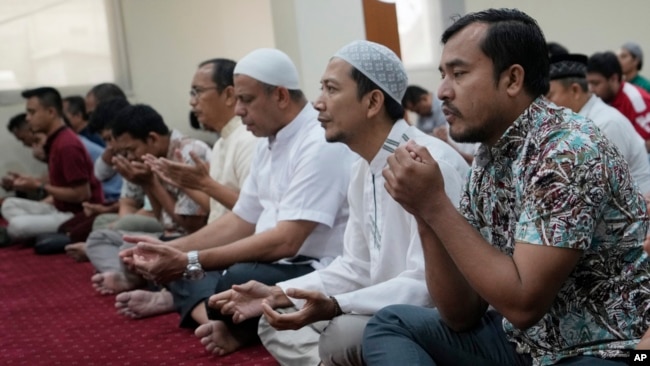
pixel 269 66
pixel 379 64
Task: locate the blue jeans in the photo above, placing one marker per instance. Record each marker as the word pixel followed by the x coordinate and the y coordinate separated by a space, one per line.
pixel 412 335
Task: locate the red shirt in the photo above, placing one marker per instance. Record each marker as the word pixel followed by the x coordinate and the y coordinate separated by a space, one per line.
pixel 634 103
pixel 69 165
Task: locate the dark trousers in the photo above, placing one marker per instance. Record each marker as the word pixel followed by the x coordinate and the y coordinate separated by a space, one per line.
pixel 188 294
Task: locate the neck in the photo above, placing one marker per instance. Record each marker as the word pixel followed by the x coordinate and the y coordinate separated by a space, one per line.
pixel 581 101
pixel 80 126
pixel 371 139
pixel 290 114
pixel 520 104
pixel 54 127
pixel 631 75
pixel 224 122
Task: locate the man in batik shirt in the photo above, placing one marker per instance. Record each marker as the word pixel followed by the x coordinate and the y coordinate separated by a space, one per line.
pixel 544 263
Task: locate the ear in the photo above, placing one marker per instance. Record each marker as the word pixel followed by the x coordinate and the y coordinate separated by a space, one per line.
pixel 229 94
pixel 513 80
pixel 283 97
pixel 153 138
pixel 575 90
pixel 374 102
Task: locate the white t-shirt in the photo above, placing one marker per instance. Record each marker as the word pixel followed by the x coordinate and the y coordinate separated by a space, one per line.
pixel 617 128
pixel 298 175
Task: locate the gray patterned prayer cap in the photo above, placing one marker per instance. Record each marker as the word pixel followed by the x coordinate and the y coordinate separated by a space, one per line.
pixel 567 66
pixel 379 64
pixel 269 66
pixel 634 49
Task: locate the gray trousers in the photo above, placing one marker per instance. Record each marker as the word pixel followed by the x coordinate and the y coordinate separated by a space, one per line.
pixel 337 342
pixel 103 248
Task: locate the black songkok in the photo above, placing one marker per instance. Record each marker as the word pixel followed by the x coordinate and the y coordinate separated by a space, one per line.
pixel 571 65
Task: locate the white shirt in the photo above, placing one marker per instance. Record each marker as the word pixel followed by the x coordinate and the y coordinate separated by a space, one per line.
pixel 382 261
pixel 297 175
pixel 230 161
pixel 617 128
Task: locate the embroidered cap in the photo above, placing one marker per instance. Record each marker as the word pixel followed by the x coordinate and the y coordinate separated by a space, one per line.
pixel 634 49
pixel 568 65
pixel 379 64
pixel 269 66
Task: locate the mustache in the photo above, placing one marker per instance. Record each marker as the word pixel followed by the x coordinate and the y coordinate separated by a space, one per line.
pixel 451 108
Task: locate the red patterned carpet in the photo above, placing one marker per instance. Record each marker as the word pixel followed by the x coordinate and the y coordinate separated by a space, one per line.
pixel 50 315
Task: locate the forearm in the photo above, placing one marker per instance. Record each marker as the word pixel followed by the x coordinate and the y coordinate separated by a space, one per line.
pixel 222 194
pixel 162 200
pixel 202 199
pixel 227 229
pixel 268 246
pixel 494 276
pixel 459 305
pixel 76 194
pixel 127 206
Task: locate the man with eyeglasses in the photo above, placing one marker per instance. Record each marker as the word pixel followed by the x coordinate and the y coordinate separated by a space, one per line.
pixel 212 98
pixel 291 212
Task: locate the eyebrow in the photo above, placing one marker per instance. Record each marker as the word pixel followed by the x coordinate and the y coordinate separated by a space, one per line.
pixel 453 63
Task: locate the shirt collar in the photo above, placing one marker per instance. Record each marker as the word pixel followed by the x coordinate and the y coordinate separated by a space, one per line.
pixel 307 115
pixel 584 111
pixel 515 134
pixel 51 138
pixel 397 136
pixel 230 127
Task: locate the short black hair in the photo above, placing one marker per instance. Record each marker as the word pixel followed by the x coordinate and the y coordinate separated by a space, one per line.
pixel 47 96
pixel 513 38
pixel 139 121
pixel 17 122
pixel 555 49
pixel 222 72
pixel 413 95
pixel 105 112
pixel 606 64
pixel 106 91
pixel 365 85
pixel 76 105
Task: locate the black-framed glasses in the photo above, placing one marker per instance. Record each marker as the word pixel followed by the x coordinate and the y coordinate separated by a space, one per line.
pixel 196 92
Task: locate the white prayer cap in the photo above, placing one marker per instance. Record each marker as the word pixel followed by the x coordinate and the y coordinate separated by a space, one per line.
pixel 379 64
pixel 269 66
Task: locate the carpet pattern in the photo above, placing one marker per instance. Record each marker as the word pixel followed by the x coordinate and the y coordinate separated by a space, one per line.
pixel 50 315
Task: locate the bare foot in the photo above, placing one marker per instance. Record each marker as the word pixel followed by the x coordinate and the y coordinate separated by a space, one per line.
pixel 77 251
pixel 217 338
pixel 109 283
pixel 141 304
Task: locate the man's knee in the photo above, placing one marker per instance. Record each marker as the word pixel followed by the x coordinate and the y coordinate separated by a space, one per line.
pixel 340 342
pixel 19 227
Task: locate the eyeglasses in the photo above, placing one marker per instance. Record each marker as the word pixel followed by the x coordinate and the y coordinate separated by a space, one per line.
pixel 196 92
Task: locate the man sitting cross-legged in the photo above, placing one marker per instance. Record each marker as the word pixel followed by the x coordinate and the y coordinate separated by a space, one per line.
pixel 291 211
pixel 359 106
pixel 139 130
pixel 213 102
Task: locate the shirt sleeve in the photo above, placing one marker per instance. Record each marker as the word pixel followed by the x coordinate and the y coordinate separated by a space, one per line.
pixel 564 196
pixel 318 188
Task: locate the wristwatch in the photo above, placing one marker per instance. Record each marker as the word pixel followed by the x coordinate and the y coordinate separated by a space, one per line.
pixel 193 271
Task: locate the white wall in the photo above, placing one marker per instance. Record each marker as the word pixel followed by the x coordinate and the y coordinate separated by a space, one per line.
pixel 167 38
pixel 583 26
pixel 310 32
